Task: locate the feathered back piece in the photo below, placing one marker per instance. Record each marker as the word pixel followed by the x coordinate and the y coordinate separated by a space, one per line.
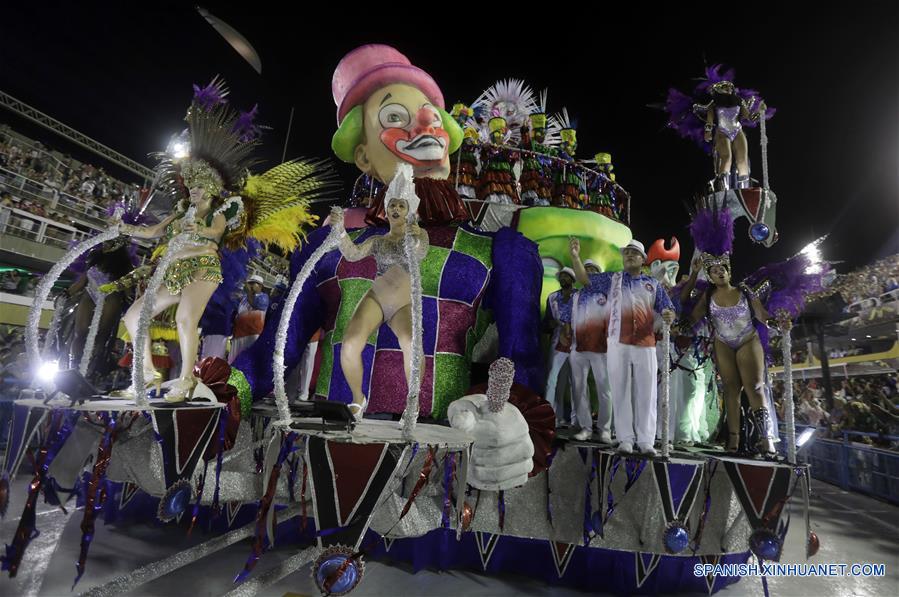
pixel 511 99
pixel 712 229
pixel 214 151
pixel 276 203
pixel 784 286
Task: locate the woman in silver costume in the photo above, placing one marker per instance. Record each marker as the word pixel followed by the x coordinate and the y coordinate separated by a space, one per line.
pixel 724 130
pixel 739 355
pixel 390 297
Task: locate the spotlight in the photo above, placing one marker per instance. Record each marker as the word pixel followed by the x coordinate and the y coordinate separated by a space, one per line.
pixel 180 150
pixel 813 253
pixel 47 371
pixel 804 437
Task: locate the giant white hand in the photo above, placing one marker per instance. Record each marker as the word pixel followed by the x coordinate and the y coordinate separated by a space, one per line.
pixel 502 452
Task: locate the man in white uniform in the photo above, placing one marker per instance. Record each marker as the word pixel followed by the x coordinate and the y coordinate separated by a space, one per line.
pixel 557 321
pixel 634 298
pixel 590 317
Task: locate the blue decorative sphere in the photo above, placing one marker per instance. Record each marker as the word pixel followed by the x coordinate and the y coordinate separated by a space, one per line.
pixel 347 580
pixel 677 537
pixel 175 501
pixel 759 232
pixel 765 544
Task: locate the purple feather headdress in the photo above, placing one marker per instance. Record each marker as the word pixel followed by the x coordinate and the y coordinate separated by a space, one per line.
pixel 712 230
pixel 212 95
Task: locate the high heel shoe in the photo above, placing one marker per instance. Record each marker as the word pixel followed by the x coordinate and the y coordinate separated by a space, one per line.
pixel 149 380
pixel 357 410
pixel 182 390
pixel 733 447
pixel 765 445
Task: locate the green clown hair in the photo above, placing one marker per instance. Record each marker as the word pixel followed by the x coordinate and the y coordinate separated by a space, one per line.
pixel 351 131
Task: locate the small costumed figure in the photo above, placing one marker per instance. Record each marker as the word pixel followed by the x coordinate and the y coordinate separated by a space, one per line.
pixel 218 207
pixel 568 190
pixel 511 100
pixel 737 316
pixel 714 118
pixel 465 161
pixel 496 183
pixel 601 187
pixel 536 182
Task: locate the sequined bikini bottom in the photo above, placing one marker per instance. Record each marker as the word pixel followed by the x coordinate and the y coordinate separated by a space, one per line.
pixel 182 272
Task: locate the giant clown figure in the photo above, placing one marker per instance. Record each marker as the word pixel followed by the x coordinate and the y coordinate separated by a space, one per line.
pixel 390 111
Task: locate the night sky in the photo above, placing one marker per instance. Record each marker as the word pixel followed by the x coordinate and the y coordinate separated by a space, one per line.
pixel 123 76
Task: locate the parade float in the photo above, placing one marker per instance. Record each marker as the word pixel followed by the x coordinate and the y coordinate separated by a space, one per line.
pixel 425 295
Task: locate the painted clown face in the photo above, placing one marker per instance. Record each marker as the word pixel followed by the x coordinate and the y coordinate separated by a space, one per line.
pixel 401 124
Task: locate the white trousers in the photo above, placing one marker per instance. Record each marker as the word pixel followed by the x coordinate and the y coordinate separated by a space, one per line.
pixel 686 393
pixel 581 365
pixel 632 377
pixel 557 362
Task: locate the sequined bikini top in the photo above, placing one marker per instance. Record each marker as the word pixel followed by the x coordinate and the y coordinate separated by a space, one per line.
pixel 388 253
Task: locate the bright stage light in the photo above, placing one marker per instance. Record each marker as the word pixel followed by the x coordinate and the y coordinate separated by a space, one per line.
pixel 804 437
pixel 813 253
pixel 180 150
pixel 47 371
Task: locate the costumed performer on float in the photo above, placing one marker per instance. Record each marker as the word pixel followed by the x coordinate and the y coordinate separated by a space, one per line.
pixel 737 316
pixel 633 299
pixel 211 186
pixel 718 123
pixel 389 300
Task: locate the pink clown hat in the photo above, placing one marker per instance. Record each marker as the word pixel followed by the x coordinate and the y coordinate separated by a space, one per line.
pixel 372 66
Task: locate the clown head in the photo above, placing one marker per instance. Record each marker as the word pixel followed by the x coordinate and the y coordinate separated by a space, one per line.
pixel 391 112
pixel 498 130
pixel 663 263
pixel 538 127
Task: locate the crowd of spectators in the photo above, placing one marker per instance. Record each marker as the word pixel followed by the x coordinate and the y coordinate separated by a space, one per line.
pixel 868 282
pixel 57 182
pixel 868 404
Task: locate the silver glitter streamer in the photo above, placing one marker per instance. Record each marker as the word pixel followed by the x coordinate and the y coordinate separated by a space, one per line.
pixel 128 582
pixel 146 312
pixel 288 566
pixel 58 307
pixel 331 241
pixel 764 143
pixel 91 339
pixel 410 415
pixel 666 384
pixel 786 347
pixel 46 284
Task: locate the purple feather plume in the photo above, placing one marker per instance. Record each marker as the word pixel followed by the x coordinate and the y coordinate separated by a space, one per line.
pixel 212 95
pixel 218 318
pixel 246 127
pixel 713 231
pixel 790 284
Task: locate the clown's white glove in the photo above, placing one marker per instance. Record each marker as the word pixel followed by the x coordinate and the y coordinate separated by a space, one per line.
pixel 502 452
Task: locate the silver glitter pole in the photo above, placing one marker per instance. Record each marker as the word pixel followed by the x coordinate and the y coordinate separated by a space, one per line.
pixel 58 306
pixel 666 384
pixel 764 144
pixel 46 284
pixel 331 241
pixel 288 566
pixel 786 349
pixel 146 311
pixel 91 339
pixel 136 578
pixel 410 415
